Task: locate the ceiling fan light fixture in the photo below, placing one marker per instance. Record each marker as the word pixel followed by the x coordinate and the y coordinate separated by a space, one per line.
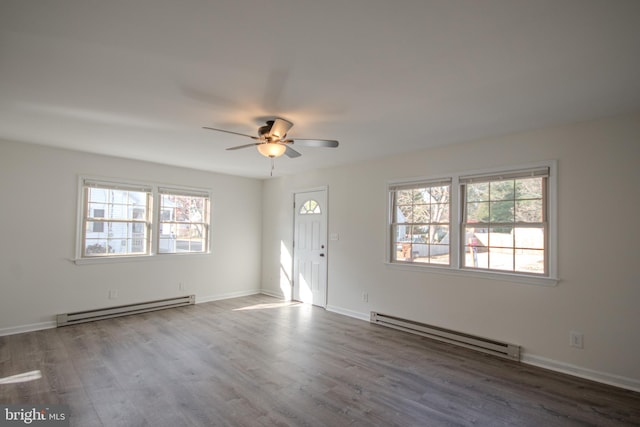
pixel 271 149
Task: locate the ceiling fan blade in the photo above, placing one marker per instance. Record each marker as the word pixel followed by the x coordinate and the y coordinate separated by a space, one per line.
pixel 244 146
pixel 291 153
pixel 315 142
pixel 280 128
pixel 228 131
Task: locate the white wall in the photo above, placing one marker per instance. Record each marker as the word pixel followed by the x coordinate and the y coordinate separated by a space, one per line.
pixel 38 191
pixel 599 241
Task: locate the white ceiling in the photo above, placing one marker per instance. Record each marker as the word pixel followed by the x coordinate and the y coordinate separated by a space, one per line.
pixel 138 79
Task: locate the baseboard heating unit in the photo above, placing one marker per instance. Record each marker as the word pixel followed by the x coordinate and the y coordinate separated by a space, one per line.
pixel 497 348
pixel 123 310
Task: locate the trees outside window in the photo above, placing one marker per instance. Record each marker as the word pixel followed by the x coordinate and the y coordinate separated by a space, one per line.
pixel 494 222
pixel 420 222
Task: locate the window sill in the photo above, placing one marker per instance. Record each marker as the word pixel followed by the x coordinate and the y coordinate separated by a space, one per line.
pixel 487 275
pixel 135 258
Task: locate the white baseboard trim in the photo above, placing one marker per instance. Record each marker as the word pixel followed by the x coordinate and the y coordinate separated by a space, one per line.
pixel 238 294
pixel 350 313
pixel 273 294
pixel 578 371
pixel 12 330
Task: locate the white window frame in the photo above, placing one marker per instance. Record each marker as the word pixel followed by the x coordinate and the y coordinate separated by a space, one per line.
pixel 457 246
pixel 152 222
pixel 205 223
pixel 393 189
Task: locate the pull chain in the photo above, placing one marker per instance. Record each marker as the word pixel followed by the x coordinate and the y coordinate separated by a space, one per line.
pixel 273 165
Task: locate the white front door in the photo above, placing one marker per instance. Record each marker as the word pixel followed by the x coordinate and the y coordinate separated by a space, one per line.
pixel 310 247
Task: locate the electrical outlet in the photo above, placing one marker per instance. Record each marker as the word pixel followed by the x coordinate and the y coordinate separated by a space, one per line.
pixel 365 297
pixel 576 339
pixel 182 286
pixel 113 293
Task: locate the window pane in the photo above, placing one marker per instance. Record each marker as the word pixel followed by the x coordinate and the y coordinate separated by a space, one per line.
pixel 310 207
pixel 440 213
pixel 98 195
pixel 502 190
pixel 182 238
pixel 529 211
pixel 96 228
pixel 421 195
pixel 439 234
pixel 530 261
pixel 529 238
pixel 402 242
pixel 420 234
pixel 502 211
pixel 439 194
pixel 404 197
pixel 529 188
pixel 478 192
pixel 476 256
pixel 420 252
pixel 439 254
pixel 421 214
pixel 478 212
pixel 404 214
pixel 501 259
pixel 500 237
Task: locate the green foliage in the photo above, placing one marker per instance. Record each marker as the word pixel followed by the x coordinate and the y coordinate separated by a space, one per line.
pixel 506 201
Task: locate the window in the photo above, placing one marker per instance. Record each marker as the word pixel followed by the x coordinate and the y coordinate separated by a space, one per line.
pixel 505 222
pixel 420 222
pixel 310 207
pixel 183 224
pixel 117 220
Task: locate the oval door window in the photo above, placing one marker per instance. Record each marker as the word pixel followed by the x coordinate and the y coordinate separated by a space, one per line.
pixel 310 207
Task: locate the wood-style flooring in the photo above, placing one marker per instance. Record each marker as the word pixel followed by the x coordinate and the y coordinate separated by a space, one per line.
pixel 257 361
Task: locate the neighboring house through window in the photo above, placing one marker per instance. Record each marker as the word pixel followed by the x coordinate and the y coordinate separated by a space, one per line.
pixel 118 220
pixel 115 219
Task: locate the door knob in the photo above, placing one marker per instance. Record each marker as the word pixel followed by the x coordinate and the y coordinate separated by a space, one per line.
pixel 321 254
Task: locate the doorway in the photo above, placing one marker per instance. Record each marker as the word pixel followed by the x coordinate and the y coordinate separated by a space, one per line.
pixel 310 247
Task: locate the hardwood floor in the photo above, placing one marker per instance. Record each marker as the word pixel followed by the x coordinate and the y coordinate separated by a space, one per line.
pixel 258 361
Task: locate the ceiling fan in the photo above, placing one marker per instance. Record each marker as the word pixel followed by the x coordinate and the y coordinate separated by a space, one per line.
pixel 272 140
